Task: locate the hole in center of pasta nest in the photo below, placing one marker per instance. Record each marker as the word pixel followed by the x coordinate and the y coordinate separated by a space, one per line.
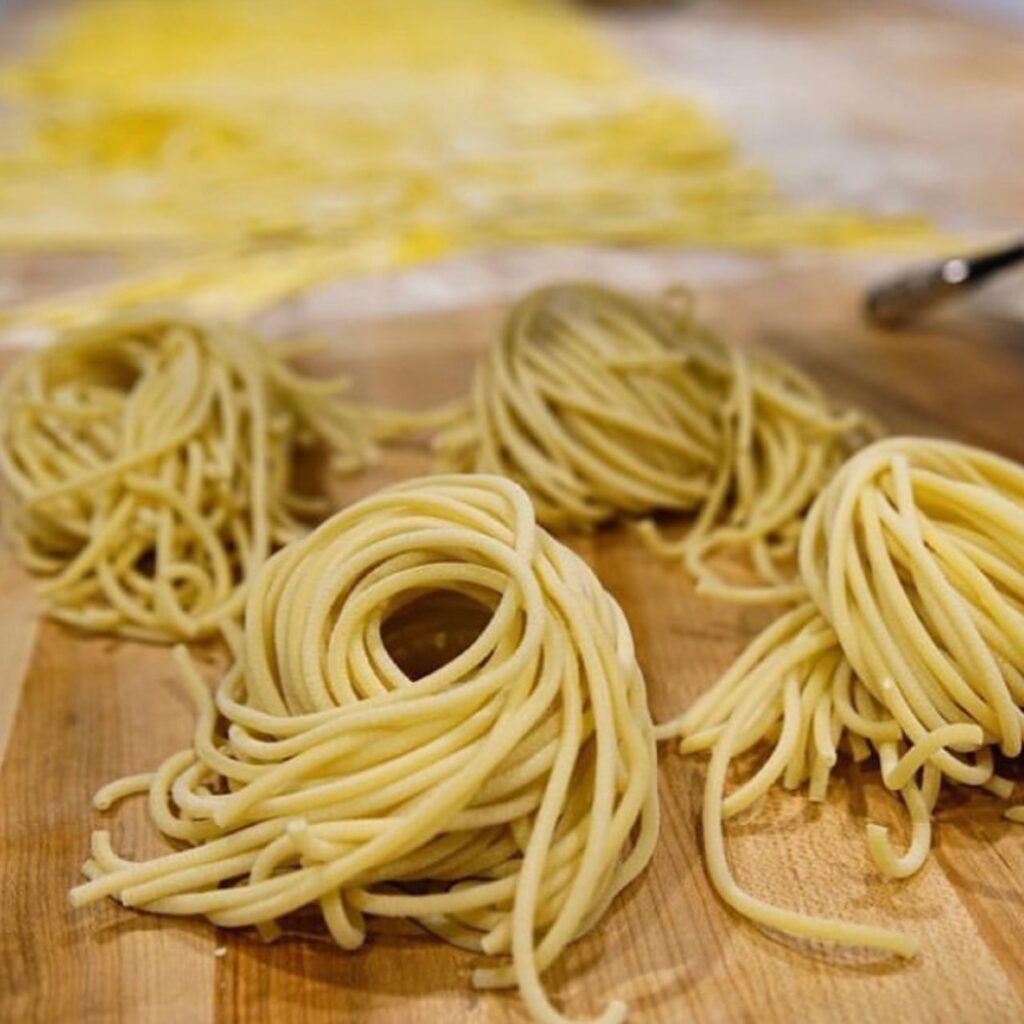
pixel 427 632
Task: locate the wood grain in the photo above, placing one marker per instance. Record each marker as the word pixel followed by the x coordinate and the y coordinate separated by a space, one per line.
pixel 92 709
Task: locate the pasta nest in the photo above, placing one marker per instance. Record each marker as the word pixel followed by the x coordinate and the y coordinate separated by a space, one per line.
pixel 148 469
pixel 604 406
pixel 909 649
pixel 434 712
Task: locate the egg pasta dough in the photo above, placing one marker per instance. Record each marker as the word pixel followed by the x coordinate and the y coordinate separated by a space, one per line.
pixel 232 153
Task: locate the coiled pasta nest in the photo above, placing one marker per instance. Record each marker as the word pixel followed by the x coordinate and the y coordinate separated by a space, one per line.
pixel 435 712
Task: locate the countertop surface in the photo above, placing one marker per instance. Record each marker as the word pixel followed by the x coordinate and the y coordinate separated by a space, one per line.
pixel 883 106
pixel 81 712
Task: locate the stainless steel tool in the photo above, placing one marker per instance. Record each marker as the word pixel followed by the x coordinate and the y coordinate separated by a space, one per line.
pixel 901 300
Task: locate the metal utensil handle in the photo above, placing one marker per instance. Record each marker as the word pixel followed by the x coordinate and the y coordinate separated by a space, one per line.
pixel 896 303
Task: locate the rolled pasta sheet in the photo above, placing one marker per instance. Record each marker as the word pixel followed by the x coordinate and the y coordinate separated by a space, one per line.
pixel 605 406
pixel 910 649
pixel 148 469
pixel 434 712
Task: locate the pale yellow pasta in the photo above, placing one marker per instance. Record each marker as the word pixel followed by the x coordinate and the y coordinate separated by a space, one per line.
pixel 605 406
pixel 264 148
pixel 910 648
pixel 148 465
pixel 434 712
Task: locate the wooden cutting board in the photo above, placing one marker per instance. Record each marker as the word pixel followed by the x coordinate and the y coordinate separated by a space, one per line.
pixel 80 712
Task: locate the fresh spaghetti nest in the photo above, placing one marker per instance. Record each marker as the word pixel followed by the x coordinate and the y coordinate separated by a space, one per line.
pixel 148 464
pixel 434 713
pixel 606 406
pixel 910 649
